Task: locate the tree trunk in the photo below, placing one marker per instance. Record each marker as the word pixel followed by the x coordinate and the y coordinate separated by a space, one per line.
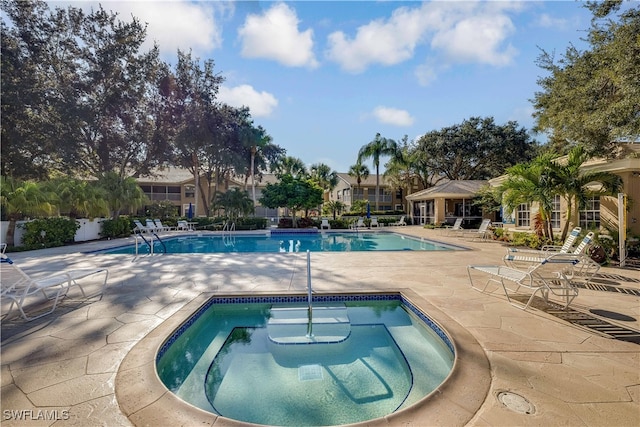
pixel 11 232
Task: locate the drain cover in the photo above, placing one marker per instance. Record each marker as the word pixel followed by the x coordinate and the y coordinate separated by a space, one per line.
pixel 516 403
pixel 309 373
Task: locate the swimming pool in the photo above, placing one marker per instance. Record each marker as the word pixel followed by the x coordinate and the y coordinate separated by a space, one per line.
pixel 233 358
pixel 283 242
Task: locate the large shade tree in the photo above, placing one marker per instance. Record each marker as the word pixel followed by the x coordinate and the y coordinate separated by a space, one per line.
pixel 592 97
pixel 375 150
pixel 478 148
pixel 294 193
pixel 79 94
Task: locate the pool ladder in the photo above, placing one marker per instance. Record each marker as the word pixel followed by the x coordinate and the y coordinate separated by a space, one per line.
pixel 150 244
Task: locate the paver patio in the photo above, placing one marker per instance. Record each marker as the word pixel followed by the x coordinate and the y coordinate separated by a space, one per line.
pixel 65 364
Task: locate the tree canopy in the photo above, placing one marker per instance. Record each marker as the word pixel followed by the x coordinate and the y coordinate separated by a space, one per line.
pixel 291 192
pixel 592 97
pixel 477 148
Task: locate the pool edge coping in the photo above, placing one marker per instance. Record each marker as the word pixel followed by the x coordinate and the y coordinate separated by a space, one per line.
pixel 145 400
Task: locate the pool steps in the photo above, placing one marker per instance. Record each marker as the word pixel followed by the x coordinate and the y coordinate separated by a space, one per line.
pixel 289 324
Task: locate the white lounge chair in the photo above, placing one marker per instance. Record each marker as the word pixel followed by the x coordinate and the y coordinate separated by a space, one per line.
pixel 161 227
pixel 358 224
pixel 455 228
pixel 151 226
pixel 182 225
pixel 400 222
pixel 551 276
pixel 586 267
pixel 546 249
pixel 374 222
pixel 22 290
pixel 140 228
pixel 325 224
pixel 482 232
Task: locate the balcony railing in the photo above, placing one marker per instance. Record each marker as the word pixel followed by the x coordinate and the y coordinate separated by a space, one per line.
pixel 167 196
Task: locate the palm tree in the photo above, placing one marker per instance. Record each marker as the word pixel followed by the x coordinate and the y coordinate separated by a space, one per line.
pixel 22 199
pixel 400 172
pixel 290 166
pixel 121 193
pixel 360 172
pixel 78 198
pixel 374 150
pixel 236 203
pixel 574 184
pixel 531 182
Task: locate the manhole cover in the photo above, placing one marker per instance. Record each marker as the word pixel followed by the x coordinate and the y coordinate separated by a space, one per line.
pixel 309 373
pixel 516 403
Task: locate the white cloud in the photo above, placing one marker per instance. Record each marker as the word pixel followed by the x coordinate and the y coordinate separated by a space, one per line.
pixel 477 39
pixel 458 32
pixel 261 104
pixel 275 35
pixel 393 116
pixel 548 21
pixel 385 42
pixel 172 25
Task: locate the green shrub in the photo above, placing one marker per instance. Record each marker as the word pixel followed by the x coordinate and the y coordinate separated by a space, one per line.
pixel 251 223
pixel 112 228
pixel 49 232
pixel 527 239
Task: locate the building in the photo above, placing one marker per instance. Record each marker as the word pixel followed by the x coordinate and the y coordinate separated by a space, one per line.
pixel 348 190
pixel 177 186
pixel 446 201
pixel 600 212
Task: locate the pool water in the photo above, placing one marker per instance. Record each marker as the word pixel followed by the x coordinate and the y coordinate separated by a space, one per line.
pixel 314 242
pixel 231 363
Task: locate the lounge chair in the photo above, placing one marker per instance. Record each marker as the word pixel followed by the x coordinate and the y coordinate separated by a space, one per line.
pixel 358 224
pixel 325 224
pixel 551 276
pixel 161 227
pixel 546 249
pixel 455 228
pixel 183 226
pixel 374 222
pixel 152 227
pixel 140 228
pixel 400 222
pixel 586 267
pixel 482 232
pixel 21 289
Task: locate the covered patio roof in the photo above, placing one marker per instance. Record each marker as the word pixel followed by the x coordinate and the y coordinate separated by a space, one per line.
pixel 463 189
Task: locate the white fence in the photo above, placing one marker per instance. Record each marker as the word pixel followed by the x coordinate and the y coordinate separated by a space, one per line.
pixel 89 230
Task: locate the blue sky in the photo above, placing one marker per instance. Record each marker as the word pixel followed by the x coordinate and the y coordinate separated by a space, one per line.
pixel 323 77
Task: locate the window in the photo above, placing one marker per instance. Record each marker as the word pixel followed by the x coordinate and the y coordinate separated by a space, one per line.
pixel 590 215
pixel 524 215
pixel 189 191
pixel 555 212
pixel 358 194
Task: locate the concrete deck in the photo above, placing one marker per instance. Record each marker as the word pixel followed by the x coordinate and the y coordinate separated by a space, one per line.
pixel 64 365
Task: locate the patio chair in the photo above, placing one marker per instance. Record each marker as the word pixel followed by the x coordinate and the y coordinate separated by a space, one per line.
pixel 455 228
pixel 140 228
pixel 161 227
pixel 586 267
pixel 358 224
pixel 551 276
pixel 152 227
pixel 400 222
pixel 182 225
pixel 565 248
pixel 22 290
pixel 482 232
pixel 325 224
pixel 374 222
